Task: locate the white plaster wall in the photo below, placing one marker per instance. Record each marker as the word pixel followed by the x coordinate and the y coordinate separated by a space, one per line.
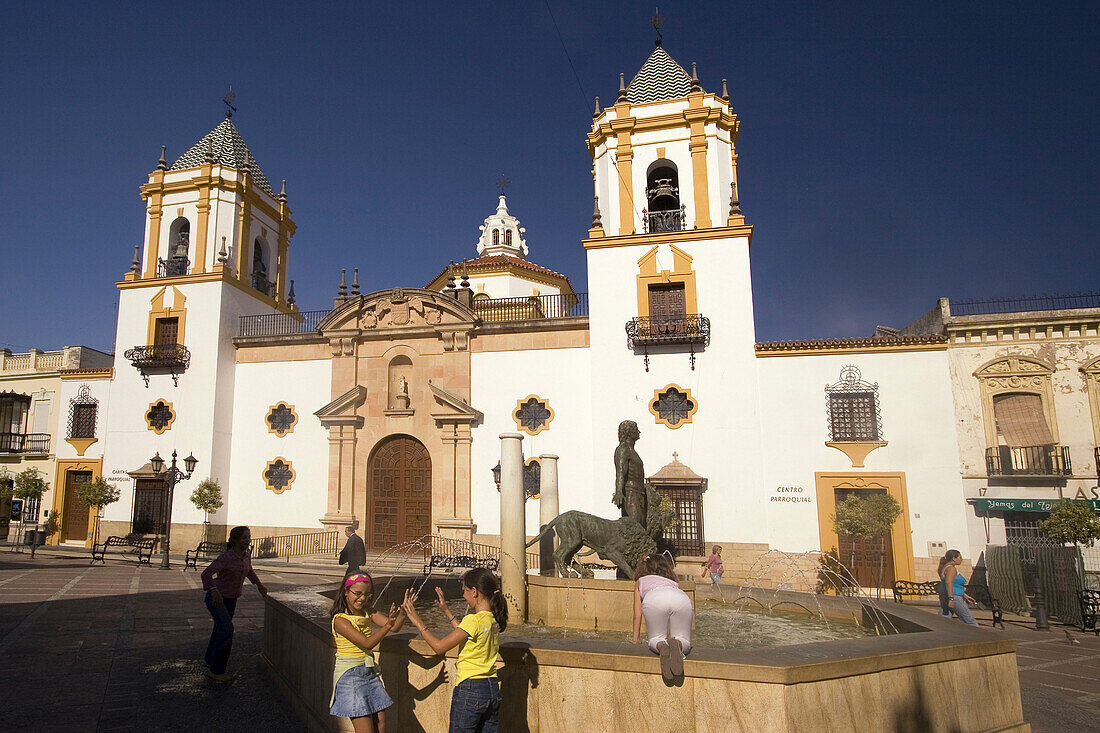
pixel 917 423
pixel 498 380
pixel 510 286
pixel 99 389
pixel 305 385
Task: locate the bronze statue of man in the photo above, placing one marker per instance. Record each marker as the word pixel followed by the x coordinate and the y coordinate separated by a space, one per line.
pixel 630 494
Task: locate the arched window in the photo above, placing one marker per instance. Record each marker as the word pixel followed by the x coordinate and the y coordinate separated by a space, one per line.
pixel 508 236
pixel 259 266
pixel 663 210
pixel 496 236
pixel 179 242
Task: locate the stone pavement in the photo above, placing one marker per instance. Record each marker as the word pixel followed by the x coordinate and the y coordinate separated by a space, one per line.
pixel 119 647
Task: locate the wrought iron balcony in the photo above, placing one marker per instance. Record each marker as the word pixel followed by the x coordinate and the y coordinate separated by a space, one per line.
pixel 1032 460
pixel 261 283
pixel 172 358
pixel 33 443
pixel 173 266
pixel 663 221
pixel 689 329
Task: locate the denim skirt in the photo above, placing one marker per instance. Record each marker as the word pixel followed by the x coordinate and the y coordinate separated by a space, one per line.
pixel 359 692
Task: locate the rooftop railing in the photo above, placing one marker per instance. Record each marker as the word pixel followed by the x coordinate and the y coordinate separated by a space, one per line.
pixel 1022 305
pixel 281 324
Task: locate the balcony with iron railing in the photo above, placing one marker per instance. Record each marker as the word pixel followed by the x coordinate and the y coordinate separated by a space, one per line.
pixel 171 358
pixel 1032 460
pixel 263 285
pixel 28 443
pixel 173 266
pixel 684 329
pixel 663 221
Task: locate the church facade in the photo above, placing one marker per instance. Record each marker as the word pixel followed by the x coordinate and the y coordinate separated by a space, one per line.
pixel 385 411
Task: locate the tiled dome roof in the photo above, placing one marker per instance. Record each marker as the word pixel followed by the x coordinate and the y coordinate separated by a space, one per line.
pixel 659 78
pixel 228 149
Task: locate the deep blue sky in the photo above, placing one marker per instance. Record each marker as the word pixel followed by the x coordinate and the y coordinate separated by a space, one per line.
pixel 889 155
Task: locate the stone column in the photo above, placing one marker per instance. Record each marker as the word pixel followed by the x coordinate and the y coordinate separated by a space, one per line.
pixel 548 509
pixel 513 554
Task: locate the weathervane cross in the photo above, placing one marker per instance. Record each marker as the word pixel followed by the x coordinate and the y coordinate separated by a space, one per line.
pixel 502 183
pixel 228 99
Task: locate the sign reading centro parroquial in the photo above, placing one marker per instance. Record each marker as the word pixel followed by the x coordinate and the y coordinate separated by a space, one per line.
pixel 1025 505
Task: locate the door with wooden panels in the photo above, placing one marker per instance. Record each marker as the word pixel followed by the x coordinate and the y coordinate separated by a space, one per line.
pixel 74 518
pixel 400 493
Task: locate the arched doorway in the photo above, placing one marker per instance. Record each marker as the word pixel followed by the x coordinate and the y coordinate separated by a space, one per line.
pixel 399 496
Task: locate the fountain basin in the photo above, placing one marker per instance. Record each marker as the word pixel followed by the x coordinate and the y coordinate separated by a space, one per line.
pixel 584 603
pixel 954 676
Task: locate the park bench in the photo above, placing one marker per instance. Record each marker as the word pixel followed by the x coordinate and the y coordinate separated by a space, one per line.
pixel 1090 604
pixel 133 544
pixel 915 588
pixel 450 562
pixel 205 551
pixel 981 594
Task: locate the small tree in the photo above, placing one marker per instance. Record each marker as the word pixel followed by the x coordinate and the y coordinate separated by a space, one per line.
pixel 29 485
pixel 207 497
pixel 1075 523
pixel 865 517
pixel 97 494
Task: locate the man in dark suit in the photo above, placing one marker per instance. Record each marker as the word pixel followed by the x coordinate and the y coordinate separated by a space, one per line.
pixel 354 552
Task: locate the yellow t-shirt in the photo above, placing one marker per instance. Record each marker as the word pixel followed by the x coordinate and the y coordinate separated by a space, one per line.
pixel 347 648
pixel 478 656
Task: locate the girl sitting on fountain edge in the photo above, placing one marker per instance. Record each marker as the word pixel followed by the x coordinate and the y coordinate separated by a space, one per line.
pixel 667 610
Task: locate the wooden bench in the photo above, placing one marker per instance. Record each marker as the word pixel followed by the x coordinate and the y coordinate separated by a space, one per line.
pixel 130 544
pixel 916 589
pixel 205 551
pixel 1090 605
pixel 450 562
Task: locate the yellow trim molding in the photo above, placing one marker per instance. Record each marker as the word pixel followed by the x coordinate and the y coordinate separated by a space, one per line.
pixel 657 393
pixel 270 464
pixel 901 538
pixel 681 273
pixel 171 419
pixel 158 311
pixel 80 445
pixel 856 450
pixel 1023 374
pixel 544 403
pixel 684 235
pixel 62 466
pixel 271 410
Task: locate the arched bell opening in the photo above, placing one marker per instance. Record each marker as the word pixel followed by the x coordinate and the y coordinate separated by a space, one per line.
pixel 179 245
pixel 663 212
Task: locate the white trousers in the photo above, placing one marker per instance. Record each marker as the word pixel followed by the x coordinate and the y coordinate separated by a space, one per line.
pixel 668 612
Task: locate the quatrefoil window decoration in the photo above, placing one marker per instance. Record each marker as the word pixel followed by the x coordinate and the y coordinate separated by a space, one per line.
pixel 160 416
pixel 279 475
pixel 281 419
pixel 673 406
pixel 533 414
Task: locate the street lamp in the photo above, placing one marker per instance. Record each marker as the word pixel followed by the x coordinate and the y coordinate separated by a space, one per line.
pixel 171 477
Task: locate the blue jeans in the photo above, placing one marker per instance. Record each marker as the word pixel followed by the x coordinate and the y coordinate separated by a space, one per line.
pixel 475 705
pixel 221 638
pixel 962 611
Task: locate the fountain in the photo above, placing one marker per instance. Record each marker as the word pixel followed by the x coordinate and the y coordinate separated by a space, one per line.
pixel 570 666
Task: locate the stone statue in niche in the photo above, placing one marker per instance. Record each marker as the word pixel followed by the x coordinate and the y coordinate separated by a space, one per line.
pixel 401 399
pixel 621 541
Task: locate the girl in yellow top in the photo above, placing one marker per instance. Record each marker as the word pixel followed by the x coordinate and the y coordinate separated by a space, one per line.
pixel 357 691
pixel 476 699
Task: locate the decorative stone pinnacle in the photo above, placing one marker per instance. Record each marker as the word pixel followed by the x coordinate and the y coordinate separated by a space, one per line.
pixel 162 164
pixel 210 150
pixel 675 455
pixel 451 276
pixel 622 88
pixel 695 86
pixel 223 256
pixel 725 92
pixel 597 222
pixel 465 284
pixel 342 291
pixel 596 113
pixel 290 295
pixel 282 193
pixel 735 205
pixel 355 282
pixel 135 265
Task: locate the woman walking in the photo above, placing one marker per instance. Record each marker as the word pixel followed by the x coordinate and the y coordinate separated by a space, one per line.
pixel 955 586
pixel 222 580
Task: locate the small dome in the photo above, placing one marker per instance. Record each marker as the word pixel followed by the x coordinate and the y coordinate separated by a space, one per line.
pixel 501 234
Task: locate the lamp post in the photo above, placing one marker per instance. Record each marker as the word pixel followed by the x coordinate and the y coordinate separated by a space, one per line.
pixel 171 477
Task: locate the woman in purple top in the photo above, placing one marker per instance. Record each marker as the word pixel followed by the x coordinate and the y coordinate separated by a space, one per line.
pixel 222 580
pixel 714 567
pixel 667 610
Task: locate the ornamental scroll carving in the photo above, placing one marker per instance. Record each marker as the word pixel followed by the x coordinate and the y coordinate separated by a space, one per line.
pixel 400 310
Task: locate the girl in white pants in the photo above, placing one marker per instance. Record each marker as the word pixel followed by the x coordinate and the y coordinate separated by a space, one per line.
pixel 667 610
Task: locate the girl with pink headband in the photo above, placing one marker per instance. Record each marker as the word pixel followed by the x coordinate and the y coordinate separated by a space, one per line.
pixel 357 690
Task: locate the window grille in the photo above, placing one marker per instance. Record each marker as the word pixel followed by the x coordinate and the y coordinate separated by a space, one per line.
pixel 83 411
pixel 853 409
pixel 687 534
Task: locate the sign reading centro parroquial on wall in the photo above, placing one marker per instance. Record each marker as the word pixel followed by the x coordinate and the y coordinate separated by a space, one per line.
pixel 790 495
pixel 1025 505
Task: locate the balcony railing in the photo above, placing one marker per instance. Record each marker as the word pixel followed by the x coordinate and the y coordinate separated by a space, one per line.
pixel 1024 305
pixel 172 358
pixel 262 284
pixel 281 324
pixel 531 308
pixel 1096 462
pixel 173 266
pixel 690 329
pixel 663 221
pixel 1032 460
pixel 33 443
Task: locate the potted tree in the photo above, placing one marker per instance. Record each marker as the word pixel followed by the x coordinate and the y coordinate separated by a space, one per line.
pixel 865 517
pixel 207 497
pixel 97 494
pixel 29 485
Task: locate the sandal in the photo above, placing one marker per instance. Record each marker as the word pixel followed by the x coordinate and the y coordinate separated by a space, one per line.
pixel 665 650
pixel 676 661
